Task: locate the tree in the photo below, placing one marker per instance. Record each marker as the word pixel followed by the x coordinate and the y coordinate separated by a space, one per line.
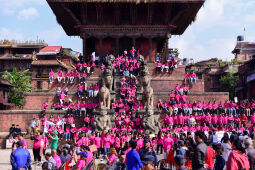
pixel 228 84
pixel 21 82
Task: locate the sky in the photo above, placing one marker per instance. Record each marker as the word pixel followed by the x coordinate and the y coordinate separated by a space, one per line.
pixel 213 34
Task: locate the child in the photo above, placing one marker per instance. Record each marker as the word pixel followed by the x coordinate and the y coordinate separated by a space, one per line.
pixel 219 162
pixel 179 162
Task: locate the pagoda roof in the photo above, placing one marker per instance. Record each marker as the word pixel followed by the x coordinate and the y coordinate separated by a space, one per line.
pixel 183 13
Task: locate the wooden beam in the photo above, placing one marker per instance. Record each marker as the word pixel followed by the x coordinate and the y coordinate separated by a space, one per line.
pixel 168 11
pixel 84 13
pixel 77 21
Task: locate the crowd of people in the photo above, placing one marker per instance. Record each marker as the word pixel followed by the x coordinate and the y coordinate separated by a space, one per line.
pixel 194 136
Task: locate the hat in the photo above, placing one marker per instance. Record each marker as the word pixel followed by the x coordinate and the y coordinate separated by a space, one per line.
pixel 20 143
pixel 147 159
pixel 84 154
pixel 146 141
pixel 181 142
pixel 247 141
pixel 179 159
pixel 55 133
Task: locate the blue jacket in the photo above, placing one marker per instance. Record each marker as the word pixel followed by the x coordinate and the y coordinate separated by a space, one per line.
pixel 20 158
pixel 133 160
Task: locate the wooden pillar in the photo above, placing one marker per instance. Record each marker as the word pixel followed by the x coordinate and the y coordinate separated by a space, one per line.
pixel 166 49
pixel 117 45
pixel 100 47
pixel 150 49
pixel 84 48
pixel 133 41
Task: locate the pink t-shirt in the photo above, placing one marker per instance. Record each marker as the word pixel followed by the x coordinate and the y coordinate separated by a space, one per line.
pixel 51 73
pixel 58 160
pixel 80 164
pixel 89 157
pixel 62 96
pixel 98 142
pixel 252 119
pixel 37 142
pixel 168 142
pixel 112 159
pixel 106 142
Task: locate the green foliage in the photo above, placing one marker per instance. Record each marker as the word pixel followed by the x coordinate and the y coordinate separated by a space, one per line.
pixel 234 61
pixel 21 82
pixel 222 63
pixel 228 84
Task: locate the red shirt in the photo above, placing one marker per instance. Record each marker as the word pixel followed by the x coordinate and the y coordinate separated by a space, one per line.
pixel 209 157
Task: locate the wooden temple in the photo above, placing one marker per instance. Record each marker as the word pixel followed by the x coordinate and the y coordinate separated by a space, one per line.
pixel 115 25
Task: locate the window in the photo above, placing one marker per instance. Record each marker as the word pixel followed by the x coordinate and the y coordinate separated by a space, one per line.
pixel 39 70
pixel 20 66
pixel 28 65
pixel 39 85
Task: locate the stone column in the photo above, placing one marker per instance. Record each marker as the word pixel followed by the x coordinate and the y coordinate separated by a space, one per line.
pixel 150 49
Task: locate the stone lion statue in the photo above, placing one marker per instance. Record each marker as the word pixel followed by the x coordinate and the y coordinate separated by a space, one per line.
pixel 104 97
pixel 103 121
pixel 148 96
pixel 108 78
pixel 151 121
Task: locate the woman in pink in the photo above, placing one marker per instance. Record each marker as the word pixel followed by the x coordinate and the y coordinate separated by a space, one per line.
pixel 43 120
pixel 51 76
pixel 208 120
pixel 106 143
pixel 168 142
pixel 180 119
pixel 139 142
pixel 62 97
pixel 187 76
pixel 37 146
pixel 160 142
pixel 92 138
pixel 117 142
pixel 253 119
pixel 98 144
pixel 237 158
pixel 158 66
pixel 96 90
pixel 214 120
pixel 60 76
pixel 85 140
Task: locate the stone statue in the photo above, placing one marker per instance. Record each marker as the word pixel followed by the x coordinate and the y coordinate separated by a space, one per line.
pixel 148 96
pixel 140 59
pixel 145 78
pixel 151 121
pixel 104 97
pixel 103 121
pixel 108 78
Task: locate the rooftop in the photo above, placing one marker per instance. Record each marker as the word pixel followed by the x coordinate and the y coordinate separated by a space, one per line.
pixel 127 1
pixel 22 44
pixel 5 82
pixel 50 50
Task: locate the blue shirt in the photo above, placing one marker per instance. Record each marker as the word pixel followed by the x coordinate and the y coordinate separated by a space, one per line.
pixel 20 158
pixel 133 160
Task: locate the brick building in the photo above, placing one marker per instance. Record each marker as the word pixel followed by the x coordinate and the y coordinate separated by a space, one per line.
pixel 53 58
pixel 5 87
pixel 246 83
pixel 17 54
pixel 243 51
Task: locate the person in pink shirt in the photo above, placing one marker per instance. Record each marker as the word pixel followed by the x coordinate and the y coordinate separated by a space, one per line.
pixel 177 97
pixel 98 144
pixel 106 143
pixel 187 76
pixel 183 98
pixel 168 142
pixel 208 120
pixel 253 119
pixel 160 142
pixel 193 78
pixel 180 119
pixel 158 66
pixel 43 120
pixel 37 146
pixel 62 98
pixel 20 137
pixel 67 76
pixel 79 66
pixel 51 76
pixel 215 120
pixel 60 76
pixel 139 142
pixel 56 158
pixel 45 106
pixel 112 157
pixel 68 133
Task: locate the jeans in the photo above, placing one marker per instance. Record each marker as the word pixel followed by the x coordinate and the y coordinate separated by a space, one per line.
pixel 77 112
pixel 91 93
pixel 51 79
pixel 106 150
pixel 233 111
pixel 186 110
pixel 193 79
pixel 190 111
pixel 79 93
pixel 69 136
